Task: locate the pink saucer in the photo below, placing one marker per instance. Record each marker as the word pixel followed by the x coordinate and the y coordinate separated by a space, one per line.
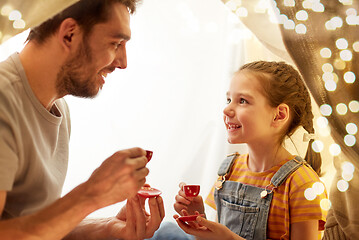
pixel 148 192
pixel 189 218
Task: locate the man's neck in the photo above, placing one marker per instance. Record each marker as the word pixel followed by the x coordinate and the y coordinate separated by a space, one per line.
pixel 41 66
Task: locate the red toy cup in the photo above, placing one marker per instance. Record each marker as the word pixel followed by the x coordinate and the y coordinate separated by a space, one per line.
pixel 149 155
pixel 191 190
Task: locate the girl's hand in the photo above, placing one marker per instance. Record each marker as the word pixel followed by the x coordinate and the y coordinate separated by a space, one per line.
pixel 190 204
pixel 207 229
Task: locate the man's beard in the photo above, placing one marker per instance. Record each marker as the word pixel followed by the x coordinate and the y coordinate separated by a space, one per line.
pixel 72 78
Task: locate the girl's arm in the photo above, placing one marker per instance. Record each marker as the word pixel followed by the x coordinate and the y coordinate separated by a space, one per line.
pixel 304 230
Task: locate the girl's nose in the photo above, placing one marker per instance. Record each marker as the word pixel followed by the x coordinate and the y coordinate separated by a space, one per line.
pixel 228 111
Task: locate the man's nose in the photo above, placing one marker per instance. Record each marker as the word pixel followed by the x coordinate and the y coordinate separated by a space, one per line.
pixel 121 59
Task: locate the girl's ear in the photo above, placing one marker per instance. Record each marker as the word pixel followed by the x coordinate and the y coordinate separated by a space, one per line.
pixel 281 115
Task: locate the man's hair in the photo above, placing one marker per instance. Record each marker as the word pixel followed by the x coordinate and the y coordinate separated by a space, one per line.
pixel 87 13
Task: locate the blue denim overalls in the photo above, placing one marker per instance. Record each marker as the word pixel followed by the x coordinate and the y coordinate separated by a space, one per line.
pixel 243 208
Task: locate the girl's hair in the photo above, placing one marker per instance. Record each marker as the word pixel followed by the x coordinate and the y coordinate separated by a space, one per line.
pixel 283 84
pixel 87 13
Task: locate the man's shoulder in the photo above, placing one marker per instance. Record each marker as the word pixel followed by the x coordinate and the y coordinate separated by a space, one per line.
pixel 8 74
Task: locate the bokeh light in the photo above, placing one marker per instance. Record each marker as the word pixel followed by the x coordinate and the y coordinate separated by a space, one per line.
pixel 317 146
pixel 326 109
pixel 349 140
pixel 342 185
pixel 349 77
pixel 318 188
pixel 310 194
pixel 351 128
pixel 354 106
pixel 322 122
pixel 325 204
pixel 342 43
pixel 334 149
pixel 342 109
pixel 325 52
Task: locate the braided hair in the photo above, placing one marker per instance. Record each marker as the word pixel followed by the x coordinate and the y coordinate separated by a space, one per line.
pixel 281 83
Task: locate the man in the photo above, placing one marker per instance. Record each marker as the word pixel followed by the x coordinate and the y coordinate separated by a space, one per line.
pixel 70 53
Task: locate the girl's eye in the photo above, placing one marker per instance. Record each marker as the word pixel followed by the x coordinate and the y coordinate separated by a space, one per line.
pixel 243 101
pixel 228 100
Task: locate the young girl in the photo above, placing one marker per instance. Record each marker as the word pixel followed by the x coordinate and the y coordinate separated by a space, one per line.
pixel 263 194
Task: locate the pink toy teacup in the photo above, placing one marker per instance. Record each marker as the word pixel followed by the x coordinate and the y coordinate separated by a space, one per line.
pixel 191 190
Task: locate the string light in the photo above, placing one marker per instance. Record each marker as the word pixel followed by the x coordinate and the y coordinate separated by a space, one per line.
pixel 349 77
pixel 327 67
pixel 346 55
pixel 325 53
pixel 351 128
pixel 334 149
pixel 342 43
pixel 342 109
pixel 354 106
pixel 302 15
pixel 325 204
pixel 342 185
pixel 325 109
pixel 349 140
pixel 317 146
pixel 301 29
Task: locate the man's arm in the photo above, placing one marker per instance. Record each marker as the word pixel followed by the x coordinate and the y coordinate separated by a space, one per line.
pixel 118 178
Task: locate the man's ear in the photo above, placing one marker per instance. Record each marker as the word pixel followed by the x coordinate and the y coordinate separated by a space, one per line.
pixel 68 31
pixel 282 115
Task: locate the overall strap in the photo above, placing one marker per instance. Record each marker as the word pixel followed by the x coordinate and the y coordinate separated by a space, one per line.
pixel 224 169
pixel 284 171
pixel 282 174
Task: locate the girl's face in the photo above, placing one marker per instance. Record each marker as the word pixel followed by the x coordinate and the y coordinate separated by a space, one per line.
pixel 248 116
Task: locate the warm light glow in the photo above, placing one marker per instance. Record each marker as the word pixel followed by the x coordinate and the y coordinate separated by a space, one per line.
pixel 262 6
pixel 317 146
pixel 301 29
pixel 289 24
pixel 334 149
pixel 349 77
pixel 342 43
pixel 318 7
pixel 289 3
pixel 354 106
pixel 347 177
pixel 6 10
pixel 19 24
pixel 342 185
pixel 330 85
pixel 339 64
pixel 325 52
pixel 356 46
pixel 232 5
pixel 324 132
pixel 302 15
pixel 14 15
pixel 328 76
pixel 351 11
pixel 346 55
pixel 309 194
pixel 282 18
pixel 307 4
pixel 346 2
pixel 242 12
pixel 325 204
pixel 352 20
pixel 342 109
pixel 349 140
pixel 348 167
pixel 322 122
pixel 337 22
pixel 326 110
pixel 318 188
pixel 351 128
pixel 327 67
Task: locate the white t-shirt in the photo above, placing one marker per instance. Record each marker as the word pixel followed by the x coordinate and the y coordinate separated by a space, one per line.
pixel 33 144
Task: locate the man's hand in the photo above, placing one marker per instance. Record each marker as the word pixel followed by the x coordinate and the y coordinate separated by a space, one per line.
pixel 133 222
pixel 118 178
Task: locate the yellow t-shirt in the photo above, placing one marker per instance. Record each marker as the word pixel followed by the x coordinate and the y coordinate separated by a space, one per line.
pixel 289 203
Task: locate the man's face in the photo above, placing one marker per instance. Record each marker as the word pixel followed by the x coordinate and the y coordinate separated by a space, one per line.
pixel 101 52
